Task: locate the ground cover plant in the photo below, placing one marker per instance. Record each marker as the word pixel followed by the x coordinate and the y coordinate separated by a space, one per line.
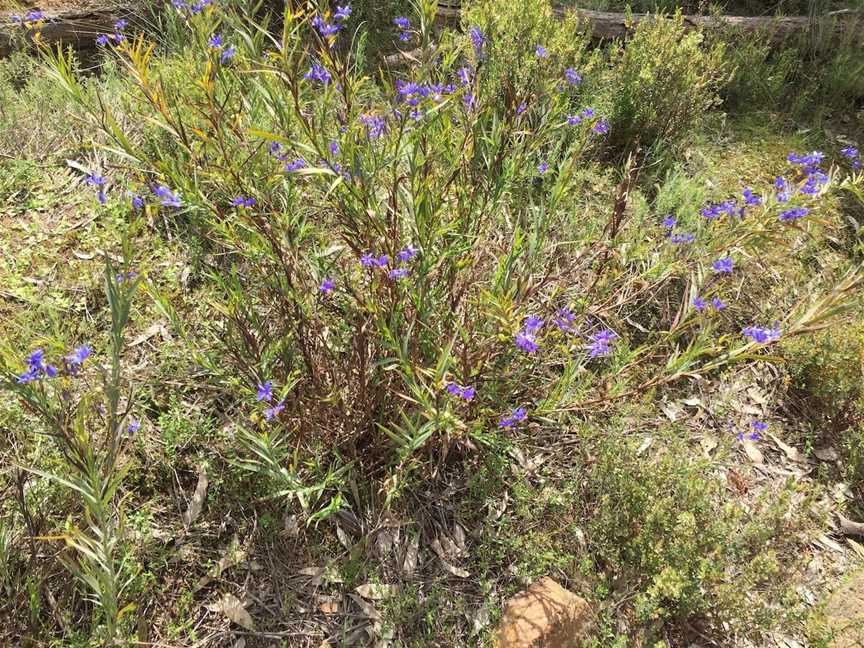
pixel 300 348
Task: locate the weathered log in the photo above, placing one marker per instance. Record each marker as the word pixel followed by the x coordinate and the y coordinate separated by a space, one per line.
pixel 777 30
pixel 79 29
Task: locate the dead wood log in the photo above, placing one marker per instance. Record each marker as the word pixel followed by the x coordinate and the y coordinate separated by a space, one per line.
pixel 80 29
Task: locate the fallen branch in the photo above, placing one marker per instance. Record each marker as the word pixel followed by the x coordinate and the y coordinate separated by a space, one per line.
pixel 848 527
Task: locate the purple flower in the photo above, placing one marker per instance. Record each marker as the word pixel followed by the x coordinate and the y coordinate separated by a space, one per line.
pixel 227 54
pixel 723 266
pixel 464 75
pixel 588 113
pixel 757 427
pixel 367 260
pixel 103 39
pixel 407 253
pixel 573 120
pixel 670 221
pixel 265 391
pixel 241 201
pixel 37 367
pixel 521 108
pixel 333 147
pixel 382 261
pixel 95 180
pixel 750 198
pixel 169 199
pixel 272 412
pixel 782 187
pixel 318 73
pixel 120 25
pixel 133 427
pixel 79 355
pixel 398 273
pixel 601 127
pixel 815 182
pixel 478 42
pixel 761 334
pixel 342 13
pixel 516 415
pixel 296 165
pixel 698 303
pixel 466 393
pixel 808 159
pixel 137 201
pixel 850 152
pixel 565 320
pixel 600 343
pixel 526 341
pixel 215 41
pixel 34 16
pixel 793 214
pixel 122 278
pixel 540 52
pixel 402 23
pixel 327 285
pixel 728 207
pixel 374 124
pixel 468 100
pixel 532 324
pixel 717 303
pixel 683 238
pixel 542 168
pixel 572 76
pixel 101 197
pixel 324 28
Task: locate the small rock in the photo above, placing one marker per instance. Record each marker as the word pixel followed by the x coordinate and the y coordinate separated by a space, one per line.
pixel 545 616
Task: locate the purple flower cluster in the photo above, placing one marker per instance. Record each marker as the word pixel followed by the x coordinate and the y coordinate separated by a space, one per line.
pixel 601 342
pixel 565 320
pixel 478 42
pixel 404 26
pixel 375 125
pixel 98 181
pixel 466 392
pixel 116 37
pixel 327 30
pixel 793 214
pixel 851 153
pixel 756 428
pixel 327 285
pixel 728 207
pixel 216 43
pixel 38 368
pixel 699 303
pixel 526 338
pixel 242 201
pixel 168 198
pixel 518 414
pixel 572 77
pixel 761 334
pixel 29 17
pixel 319 73
pixel 723 265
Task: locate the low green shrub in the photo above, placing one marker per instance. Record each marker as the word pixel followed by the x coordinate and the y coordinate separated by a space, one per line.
pixel 663 83
pixel 664 527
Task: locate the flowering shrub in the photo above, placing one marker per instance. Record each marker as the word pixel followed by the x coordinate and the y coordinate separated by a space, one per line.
pixel 384 253
pixel 84 406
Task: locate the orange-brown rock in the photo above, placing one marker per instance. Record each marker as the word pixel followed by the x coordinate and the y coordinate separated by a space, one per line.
pixel 545 616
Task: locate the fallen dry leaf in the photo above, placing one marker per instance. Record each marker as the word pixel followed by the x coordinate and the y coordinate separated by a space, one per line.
pixel 197 504
pixel 409 562
pixel 754 454
pixel 376 591
pixel 231 607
